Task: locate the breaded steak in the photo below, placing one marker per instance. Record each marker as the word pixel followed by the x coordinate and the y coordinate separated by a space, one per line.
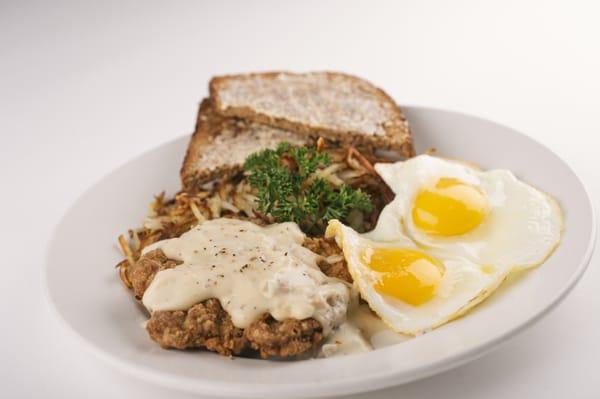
pixel 207 325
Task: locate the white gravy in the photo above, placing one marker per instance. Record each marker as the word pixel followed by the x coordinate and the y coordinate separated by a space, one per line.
pixel 363 331
pixel 346 339
pixel 251 270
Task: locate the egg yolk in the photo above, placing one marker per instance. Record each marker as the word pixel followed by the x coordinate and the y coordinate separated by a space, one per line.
pixel 406 274
pixel 449 208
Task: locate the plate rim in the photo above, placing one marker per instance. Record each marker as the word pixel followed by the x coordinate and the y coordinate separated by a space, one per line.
pixel 324 388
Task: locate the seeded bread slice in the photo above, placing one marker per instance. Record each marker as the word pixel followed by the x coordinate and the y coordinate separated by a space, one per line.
pixel 220 145
pixel 335 105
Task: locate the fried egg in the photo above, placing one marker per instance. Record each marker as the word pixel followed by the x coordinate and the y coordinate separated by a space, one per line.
pixel 448 239
pixel 488 217
pixel 410 289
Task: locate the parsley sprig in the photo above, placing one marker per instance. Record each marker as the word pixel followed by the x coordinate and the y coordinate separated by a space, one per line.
pixel 289 190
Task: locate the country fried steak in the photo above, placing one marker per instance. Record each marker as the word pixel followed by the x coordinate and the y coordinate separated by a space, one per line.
pixel 207 325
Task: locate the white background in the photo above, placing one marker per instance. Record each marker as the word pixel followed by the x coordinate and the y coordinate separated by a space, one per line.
pixel 86 86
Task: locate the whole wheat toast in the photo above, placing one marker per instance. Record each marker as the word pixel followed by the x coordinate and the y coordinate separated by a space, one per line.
pixel 334 105
pixel 220 145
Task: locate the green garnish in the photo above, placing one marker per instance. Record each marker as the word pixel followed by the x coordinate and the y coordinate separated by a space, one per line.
pixel 289 190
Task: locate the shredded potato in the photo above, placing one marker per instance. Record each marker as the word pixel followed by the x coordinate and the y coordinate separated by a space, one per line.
pixel 234 197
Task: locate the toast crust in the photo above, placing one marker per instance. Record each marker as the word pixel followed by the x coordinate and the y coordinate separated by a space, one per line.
pixel 391 132
pixel 197 141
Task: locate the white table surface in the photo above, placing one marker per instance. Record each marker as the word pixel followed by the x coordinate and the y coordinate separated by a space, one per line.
pixel 86 86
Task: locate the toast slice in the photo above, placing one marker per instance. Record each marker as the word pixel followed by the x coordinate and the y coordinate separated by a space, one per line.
pixel 220 145
pixel 334 105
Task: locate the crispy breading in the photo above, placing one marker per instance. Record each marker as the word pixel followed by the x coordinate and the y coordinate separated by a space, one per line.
pixel 144 270
pixel 204 325
pixel 207 325
pixel 328 249
pixel 283 338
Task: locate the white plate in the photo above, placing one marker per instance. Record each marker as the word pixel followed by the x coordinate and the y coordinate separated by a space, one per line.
pixel 85 290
